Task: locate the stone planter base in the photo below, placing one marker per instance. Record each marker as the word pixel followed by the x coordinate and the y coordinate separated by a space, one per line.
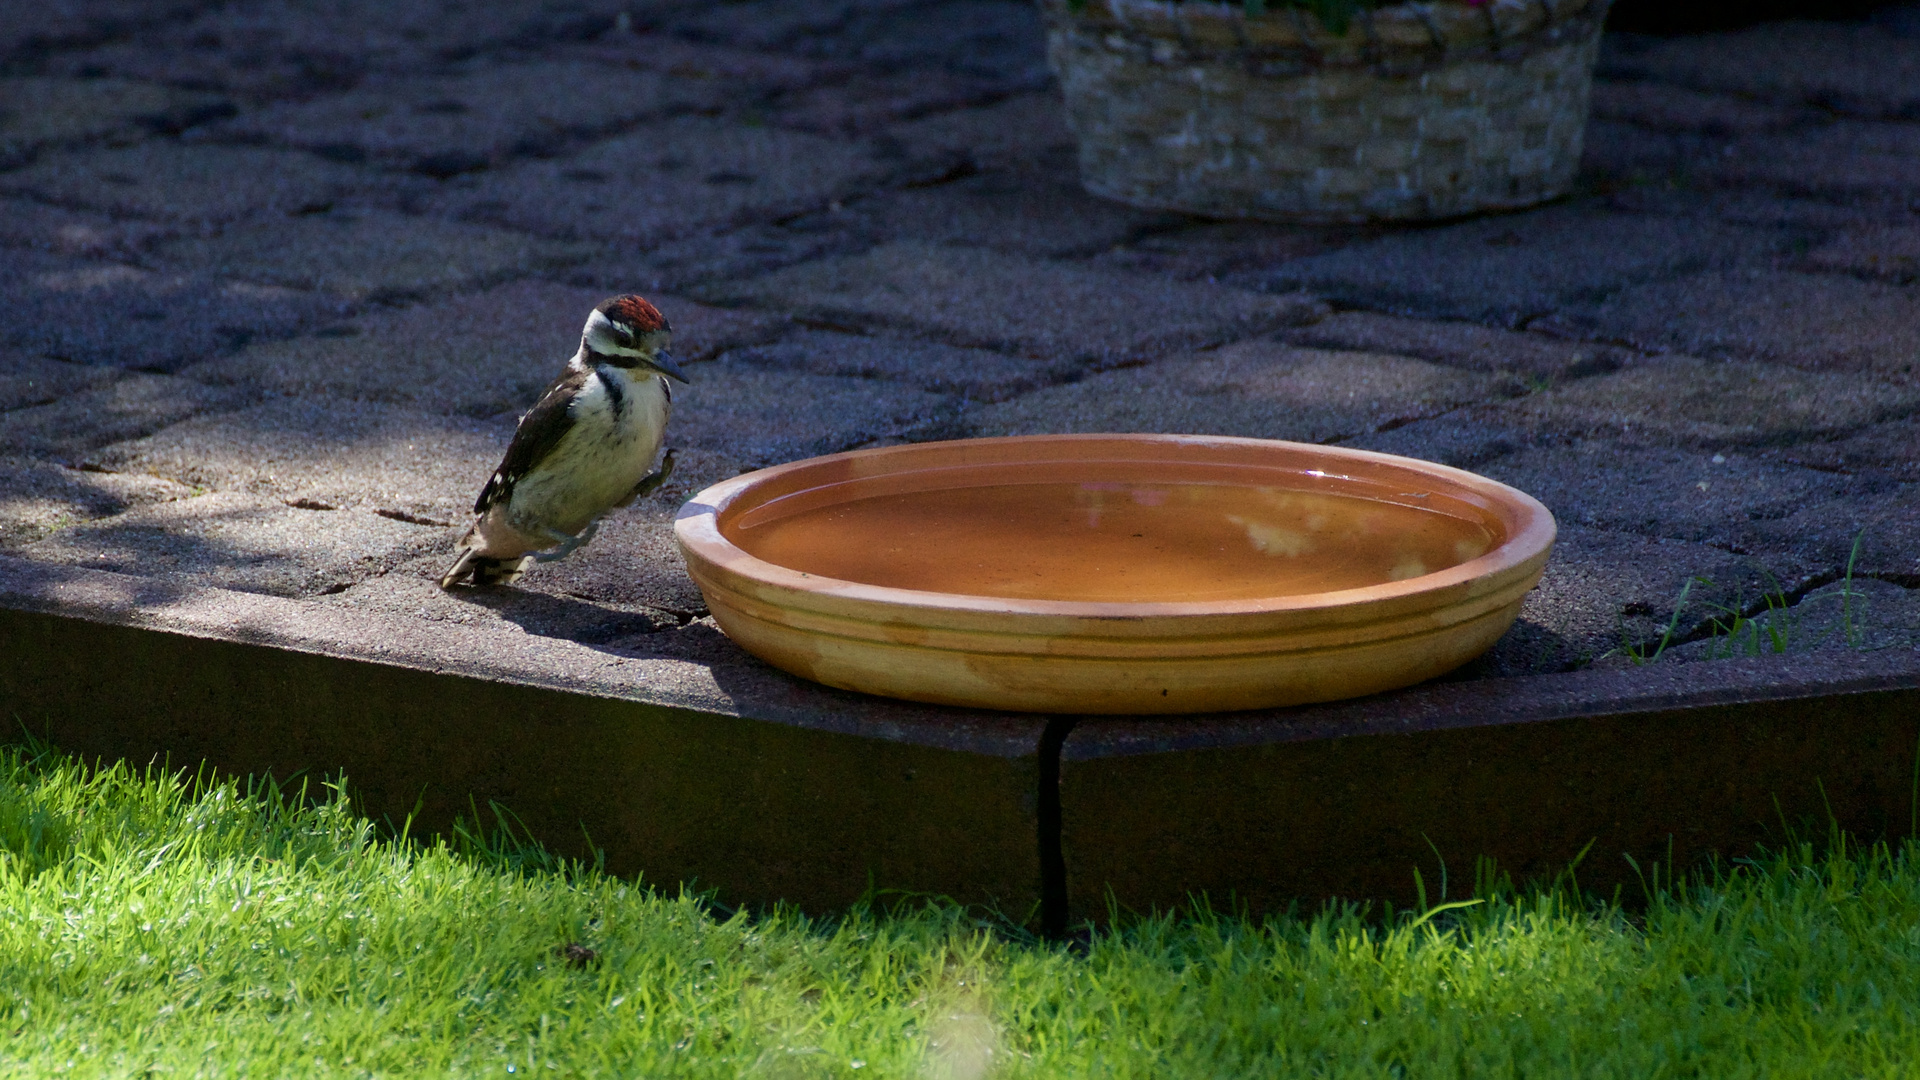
pixel 1424 111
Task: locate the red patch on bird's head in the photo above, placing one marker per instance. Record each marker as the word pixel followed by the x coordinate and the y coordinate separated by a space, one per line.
pixel 634 311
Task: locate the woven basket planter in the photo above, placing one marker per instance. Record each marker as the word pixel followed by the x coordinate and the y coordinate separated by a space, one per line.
pixel 1422 110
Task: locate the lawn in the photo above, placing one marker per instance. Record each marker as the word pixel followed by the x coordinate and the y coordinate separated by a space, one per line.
pixel 157 925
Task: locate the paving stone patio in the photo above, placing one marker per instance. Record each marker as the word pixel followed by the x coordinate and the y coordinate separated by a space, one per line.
pixel 279 277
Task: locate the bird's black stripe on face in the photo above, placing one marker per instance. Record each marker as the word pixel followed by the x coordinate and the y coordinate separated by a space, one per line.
pixel 616 396
pixel 596 357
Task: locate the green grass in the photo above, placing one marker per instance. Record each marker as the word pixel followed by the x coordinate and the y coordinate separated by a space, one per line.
pixel 155 926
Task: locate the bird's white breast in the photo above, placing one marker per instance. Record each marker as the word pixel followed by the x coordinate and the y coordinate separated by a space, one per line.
pixel 610 448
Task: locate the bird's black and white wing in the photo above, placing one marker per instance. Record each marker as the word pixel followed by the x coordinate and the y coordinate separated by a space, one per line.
pixel 538 432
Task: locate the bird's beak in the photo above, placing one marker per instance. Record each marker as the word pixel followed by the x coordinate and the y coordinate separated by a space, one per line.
pixel 663 363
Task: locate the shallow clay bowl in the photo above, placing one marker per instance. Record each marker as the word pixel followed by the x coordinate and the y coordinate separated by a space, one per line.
pixel 1114 573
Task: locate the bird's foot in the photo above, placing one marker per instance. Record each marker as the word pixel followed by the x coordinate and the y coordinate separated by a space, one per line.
pixel 653 480
pixel 568 544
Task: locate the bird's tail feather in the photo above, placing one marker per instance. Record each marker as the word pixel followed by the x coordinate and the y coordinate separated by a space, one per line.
pixel 473 568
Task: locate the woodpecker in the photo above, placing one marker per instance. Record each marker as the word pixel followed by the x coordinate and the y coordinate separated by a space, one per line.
pixel 582 450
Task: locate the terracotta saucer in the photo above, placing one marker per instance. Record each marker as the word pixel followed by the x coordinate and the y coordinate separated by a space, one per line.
pixel 1114 573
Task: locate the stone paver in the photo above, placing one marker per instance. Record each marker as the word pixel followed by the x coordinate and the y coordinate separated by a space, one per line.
pixel 770 25
pixel 1714 403
pixel 1880 250
pixel 1608 595
pixel 444 125
pixel 30 380
pixel 326 454
pixel 1633 160
pixel 999 40
pixel 38 498
pixel 1019 212
pixel 1022 130
pixel 685 264
pixel 1260 388
pixel 1815 219
pixel 666 180
pixel 1860 68
pixel 110 313
pixel 251 64
pixel 1819 321
pixel 699 641
pixel 1859 614
pixel 635 563
pixel 730 71
pixel 37 112
pixel 33 29
pixel 387 459
pixel 1511 268
pixel 167 181
pixel 1891 449
pixel 1709 498
pixel 478 354
pixel 284 48
pixel 362 237
pixel 126 407
pixel 764 417
pixel 1664 107
pixel 1877 529
pixel 1847 159
pixel 975 374
pixel 368 254
pixel 536 607
pixel 974 297
pixel 1535 357
pixel 1465 438
pixel 868 103
pixel 1209 251
pixel 243 542
pixel 29 224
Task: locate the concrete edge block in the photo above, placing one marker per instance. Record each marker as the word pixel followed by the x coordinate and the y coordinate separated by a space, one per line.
pixel 1600 773
pixel 744 782
pixel 765 789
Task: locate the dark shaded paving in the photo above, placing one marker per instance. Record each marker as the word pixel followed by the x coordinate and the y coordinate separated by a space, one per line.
pixel 277 279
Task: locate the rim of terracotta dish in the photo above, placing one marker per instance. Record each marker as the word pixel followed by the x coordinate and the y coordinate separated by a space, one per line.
pixel 1530 531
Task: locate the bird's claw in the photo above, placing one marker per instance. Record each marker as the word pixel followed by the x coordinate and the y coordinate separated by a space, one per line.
pixel 568 544
pixel 653 480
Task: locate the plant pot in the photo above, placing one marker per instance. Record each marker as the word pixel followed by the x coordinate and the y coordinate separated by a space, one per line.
pixel 1425 110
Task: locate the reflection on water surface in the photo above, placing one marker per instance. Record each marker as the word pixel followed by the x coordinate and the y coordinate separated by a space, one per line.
pixel 1111 542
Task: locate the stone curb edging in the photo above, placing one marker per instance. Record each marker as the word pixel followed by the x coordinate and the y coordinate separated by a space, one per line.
pixel 735 779
pixel 765 788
